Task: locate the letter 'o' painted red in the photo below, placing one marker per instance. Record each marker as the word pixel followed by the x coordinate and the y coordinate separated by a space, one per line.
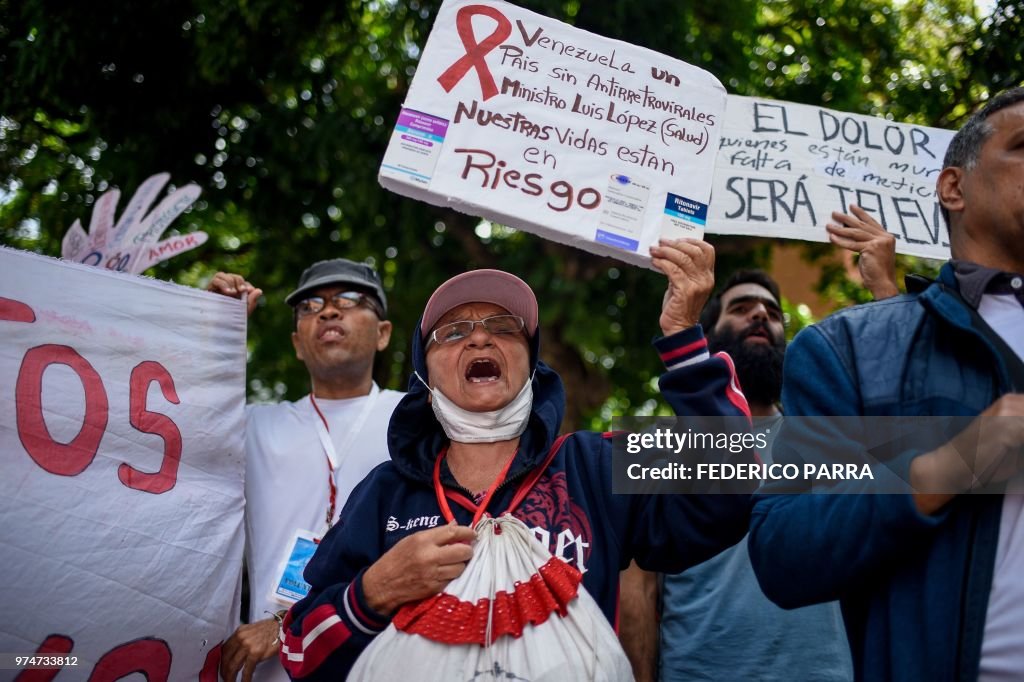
pixel 63 459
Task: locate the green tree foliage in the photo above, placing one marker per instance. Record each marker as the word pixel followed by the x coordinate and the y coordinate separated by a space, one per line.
pixel 282 111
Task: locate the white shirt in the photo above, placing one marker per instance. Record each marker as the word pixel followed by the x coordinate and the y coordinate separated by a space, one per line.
pixel 1002 646
pixel 286 484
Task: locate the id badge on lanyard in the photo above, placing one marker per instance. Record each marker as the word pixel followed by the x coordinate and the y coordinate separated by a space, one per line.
pixel 290 586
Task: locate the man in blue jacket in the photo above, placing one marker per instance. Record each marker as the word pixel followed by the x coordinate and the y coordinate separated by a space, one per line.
pixel 477 432
pixel 929 581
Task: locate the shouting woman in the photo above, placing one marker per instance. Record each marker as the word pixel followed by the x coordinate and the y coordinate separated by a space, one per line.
pixel 476 460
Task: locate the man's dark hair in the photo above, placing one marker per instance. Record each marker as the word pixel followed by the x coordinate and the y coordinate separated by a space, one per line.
pixel 966 145
pixel 713 310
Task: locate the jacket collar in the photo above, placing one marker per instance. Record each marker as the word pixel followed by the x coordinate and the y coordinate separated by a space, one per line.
pixel 977 280
pixel 943 299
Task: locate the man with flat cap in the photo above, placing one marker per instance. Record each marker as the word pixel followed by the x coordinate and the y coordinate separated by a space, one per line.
pixel 303 458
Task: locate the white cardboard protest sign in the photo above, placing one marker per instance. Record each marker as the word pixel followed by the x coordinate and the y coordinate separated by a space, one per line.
pixel 121 446
pixel 532 123
pixel 783 168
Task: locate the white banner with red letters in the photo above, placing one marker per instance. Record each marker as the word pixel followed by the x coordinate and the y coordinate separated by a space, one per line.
pixel 121 447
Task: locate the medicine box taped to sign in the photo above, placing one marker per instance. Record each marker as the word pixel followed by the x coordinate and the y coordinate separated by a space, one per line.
pixel 121 446
pixel 534 124
pixel 783 168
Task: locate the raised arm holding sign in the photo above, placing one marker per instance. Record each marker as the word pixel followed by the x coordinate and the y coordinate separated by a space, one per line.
pixel 305 457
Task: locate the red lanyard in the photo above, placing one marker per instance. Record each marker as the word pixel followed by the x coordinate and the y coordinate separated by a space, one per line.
pixel 479 509
pixel 333 494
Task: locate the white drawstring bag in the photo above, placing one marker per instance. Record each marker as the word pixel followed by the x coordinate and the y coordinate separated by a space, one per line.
pixel 515 613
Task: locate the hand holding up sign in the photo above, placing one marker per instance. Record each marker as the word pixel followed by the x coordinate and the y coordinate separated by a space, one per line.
pixel 235 286
pixel 859 232
pixel 132 245
pixel 690 267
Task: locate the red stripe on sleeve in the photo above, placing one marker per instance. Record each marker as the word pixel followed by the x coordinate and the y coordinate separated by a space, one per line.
pixel 322 633
pixel 685 350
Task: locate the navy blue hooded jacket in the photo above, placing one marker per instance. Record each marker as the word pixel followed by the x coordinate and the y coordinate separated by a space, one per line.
pixel 571 508
pixel 913 588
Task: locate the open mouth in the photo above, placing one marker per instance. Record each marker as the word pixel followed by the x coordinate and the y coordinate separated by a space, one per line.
pixel 760 335
pixel 482 371
pixel 331 334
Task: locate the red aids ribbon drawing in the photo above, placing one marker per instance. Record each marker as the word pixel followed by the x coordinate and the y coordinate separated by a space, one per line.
pixel 475 52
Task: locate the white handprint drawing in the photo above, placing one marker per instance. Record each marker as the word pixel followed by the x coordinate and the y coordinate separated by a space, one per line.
pixel 133 244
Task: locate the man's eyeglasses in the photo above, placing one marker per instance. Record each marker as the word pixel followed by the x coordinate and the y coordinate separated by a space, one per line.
pixel 456 331
pixel 343 300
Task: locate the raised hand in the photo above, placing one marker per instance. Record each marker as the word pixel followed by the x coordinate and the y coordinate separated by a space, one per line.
pixel 857 231
pixel 689 265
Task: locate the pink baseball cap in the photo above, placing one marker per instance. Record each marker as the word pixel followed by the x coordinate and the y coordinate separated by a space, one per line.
pixel 482 286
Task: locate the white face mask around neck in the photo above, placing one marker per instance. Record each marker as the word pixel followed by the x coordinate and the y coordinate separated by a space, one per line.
pixel 464 426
